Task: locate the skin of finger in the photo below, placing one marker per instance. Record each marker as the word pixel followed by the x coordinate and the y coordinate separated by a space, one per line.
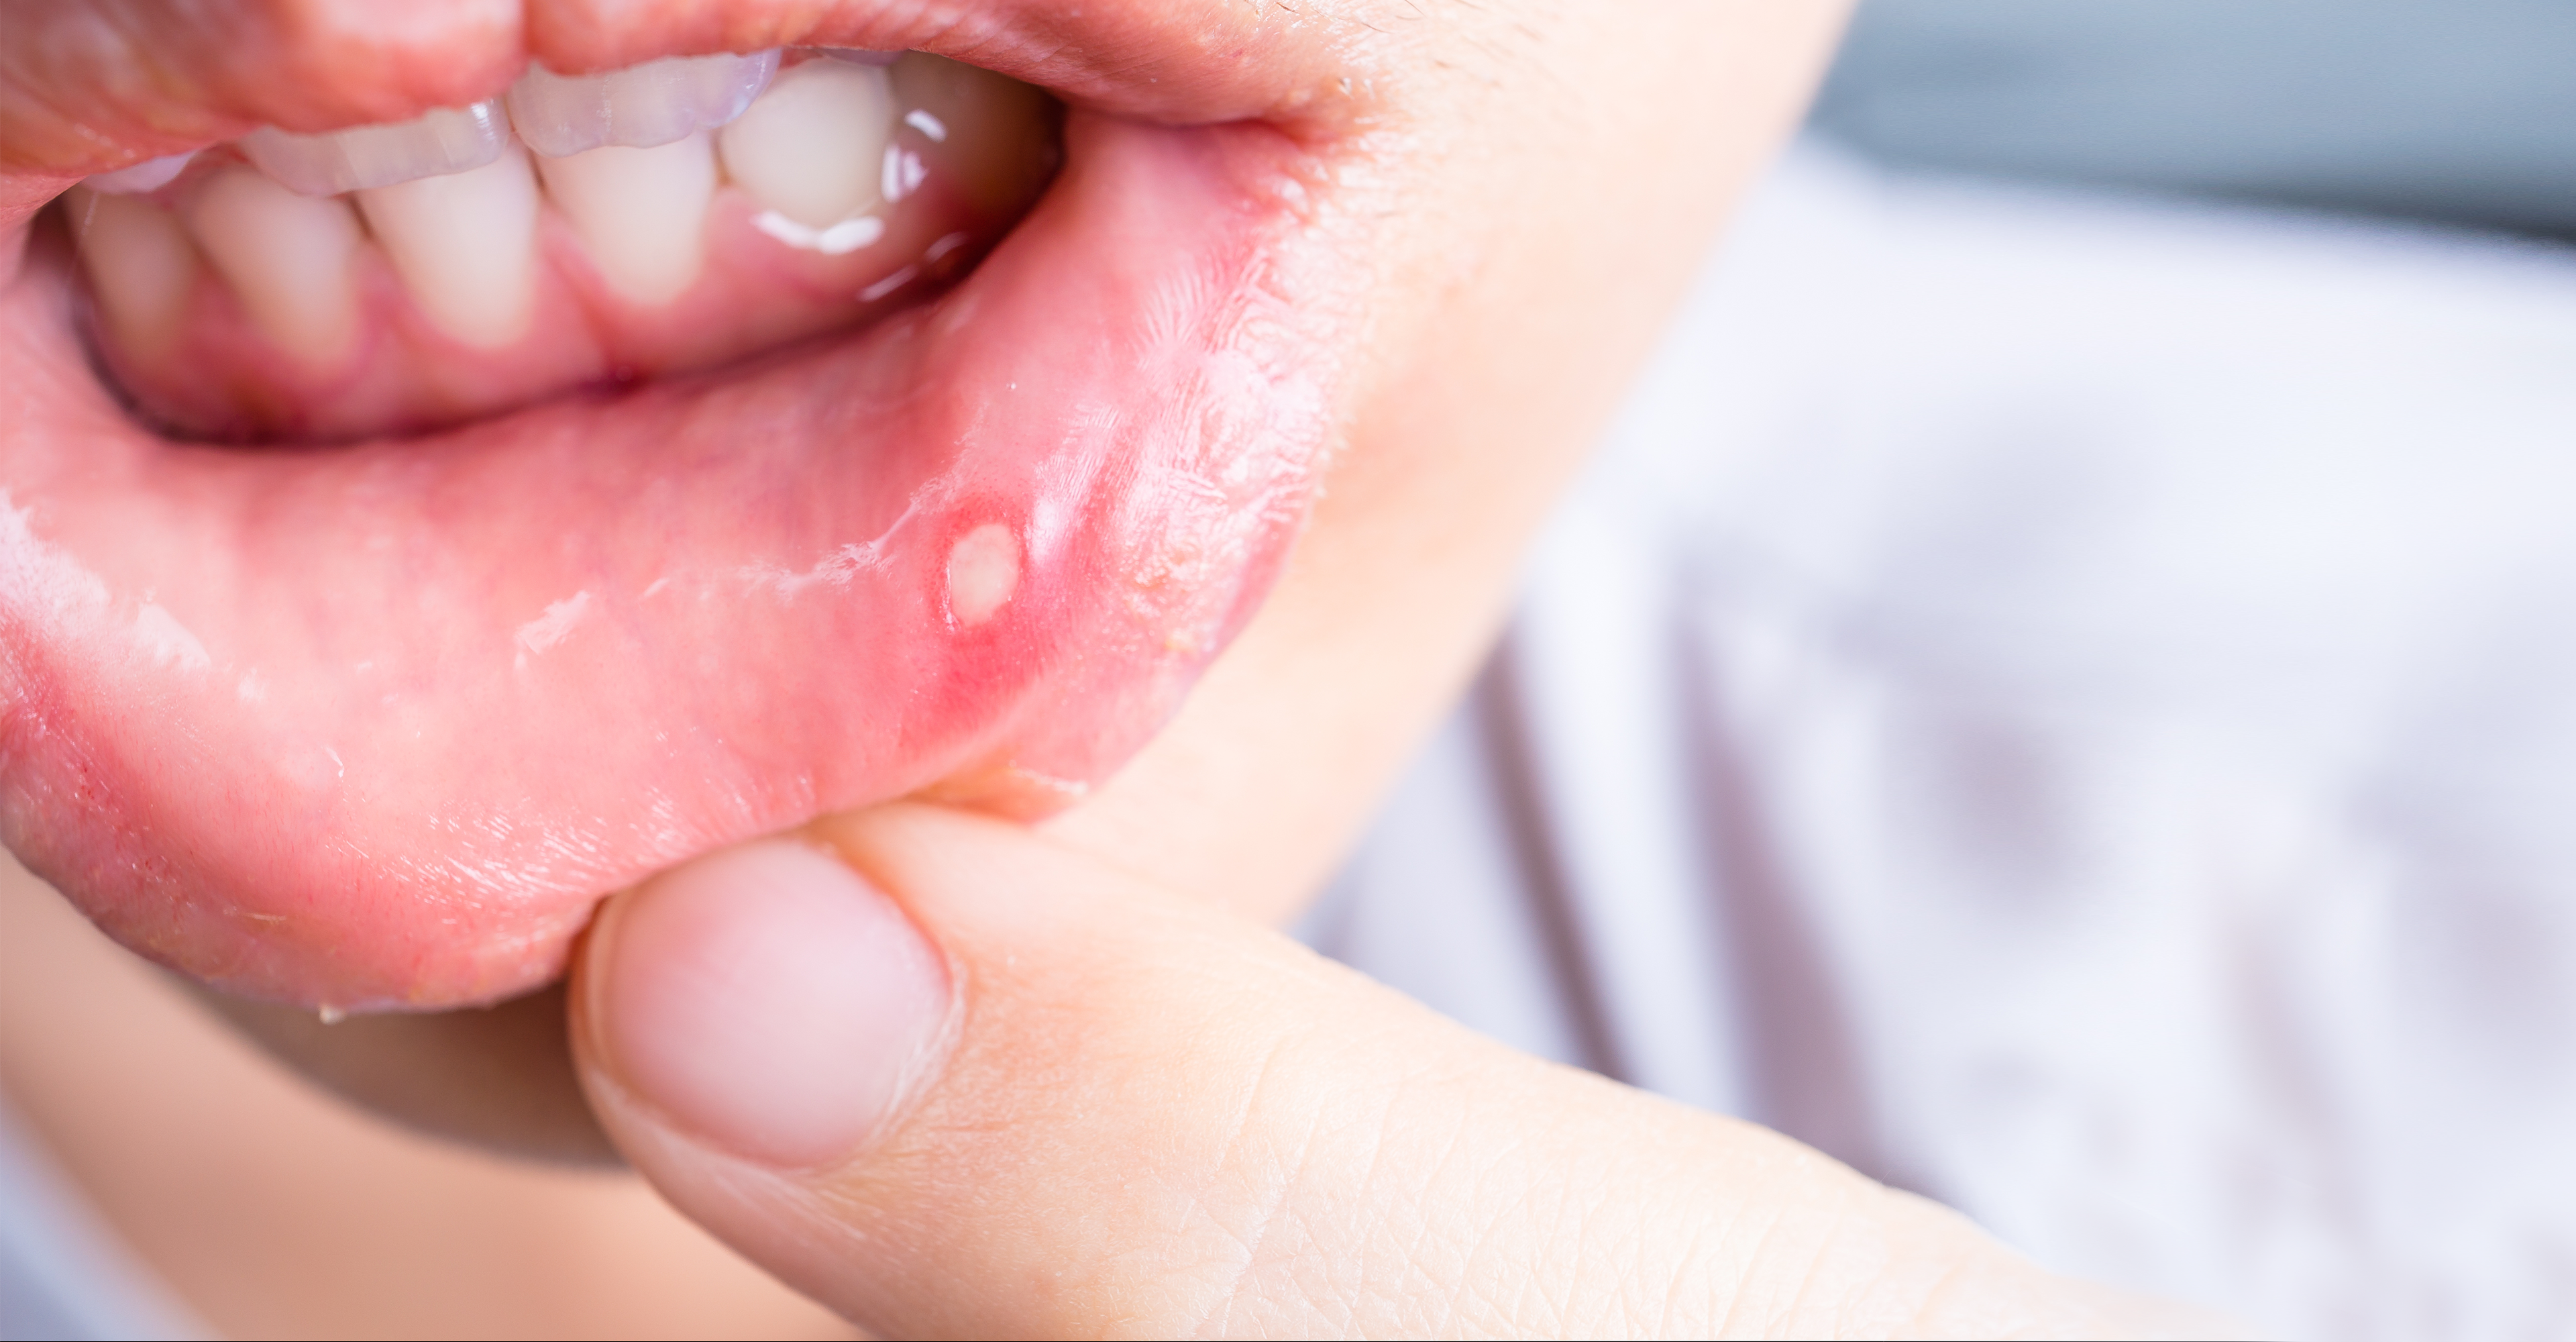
pixel 1161 1120
pixel 1536 206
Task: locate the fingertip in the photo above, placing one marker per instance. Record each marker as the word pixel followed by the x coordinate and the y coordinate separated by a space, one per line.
pixel 766 1001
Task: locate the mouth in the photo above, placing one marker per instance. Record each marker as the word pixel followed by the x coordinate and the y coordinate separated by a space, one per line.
pixel 373 602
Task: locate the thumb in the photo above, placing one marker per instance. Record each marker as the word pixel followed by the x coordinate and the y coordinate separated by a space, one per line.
pixel 952 1078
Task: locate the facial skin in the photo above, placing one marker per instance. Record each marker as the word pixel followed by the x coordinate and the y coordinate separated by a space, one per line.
pixel 1505 199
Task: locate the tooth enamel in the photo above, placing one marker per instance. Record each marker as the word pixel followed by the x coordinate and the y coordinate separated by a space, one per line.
pixel 141 266
pixel 812 147
pixel 286 257
pixel 640 107
pixel 465 245
pixel 151 174
pixel 642 213
pixel 448 140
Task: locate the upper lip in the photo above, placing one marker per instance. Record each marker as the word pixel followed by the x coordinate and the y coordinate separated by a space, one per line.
pixel 88 86
pixel 274 718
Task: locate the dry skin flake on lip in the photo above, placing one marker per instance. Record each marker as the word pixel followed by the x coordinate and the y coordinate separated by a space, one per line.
pixel 374 723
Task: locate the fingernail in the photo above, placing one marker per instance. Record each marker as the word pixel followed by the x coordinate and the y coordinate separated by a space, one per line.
pixel 769 1001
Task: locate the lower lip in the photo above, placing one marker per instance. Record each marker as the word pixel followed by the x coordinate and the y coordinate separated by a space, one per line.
pixel 373 727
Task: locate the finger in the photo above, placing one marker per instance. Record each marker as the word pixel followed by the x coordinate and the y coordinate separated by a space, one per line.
pixel 991 1087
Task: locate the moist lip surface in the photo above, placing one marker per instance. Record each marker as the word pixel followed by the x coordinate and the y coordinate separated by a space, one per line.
pixel 374 725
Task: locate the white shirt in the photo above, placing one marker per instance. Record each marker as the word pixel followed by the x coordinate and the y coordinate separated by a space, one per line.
pixel 2068 704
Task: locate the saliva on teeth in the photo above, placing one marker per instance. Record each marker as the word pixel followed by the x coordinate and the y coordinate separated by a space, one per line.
pixel 632 162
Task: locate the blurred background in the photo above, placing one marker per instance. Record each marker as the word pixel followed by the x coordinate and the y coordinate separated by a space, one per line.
pixel 2461 111
pixel 2060 689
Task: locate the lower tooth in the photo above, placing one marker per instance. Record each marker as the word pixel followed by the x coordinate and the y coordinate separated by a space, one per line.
pixel 812 147
pixel 287 259
pixel 642 213
pixel 465 245
pixel 141 266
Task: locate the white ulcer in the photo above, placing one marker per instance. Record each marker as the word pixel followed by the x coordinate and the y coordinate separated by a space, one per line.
pixel 639 107
pixel 983 573
pixel 810 148
pixel 287 259
pixel 445 140
pixel 141 267
pixel 465 245
pixel 641 213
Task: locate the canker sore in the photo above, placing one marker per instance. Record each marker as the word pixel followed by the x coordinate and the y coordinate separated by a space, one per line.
pixel 983 571
pixel 375 724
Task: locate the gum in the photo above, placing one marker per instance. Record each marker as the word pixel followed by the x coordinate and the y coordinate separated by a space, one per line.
pixel 219 379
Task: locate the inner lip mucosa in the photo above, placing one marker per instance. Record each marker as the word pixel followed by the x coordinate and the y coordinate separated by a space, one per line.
pixel 372 723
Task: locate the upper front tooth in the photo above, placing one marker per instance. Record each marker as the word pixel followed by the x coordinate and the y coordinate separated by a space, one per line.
pixel 465 245
pixel 450 139
pixel 812 147
pixel 151 174
pixel 640 106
